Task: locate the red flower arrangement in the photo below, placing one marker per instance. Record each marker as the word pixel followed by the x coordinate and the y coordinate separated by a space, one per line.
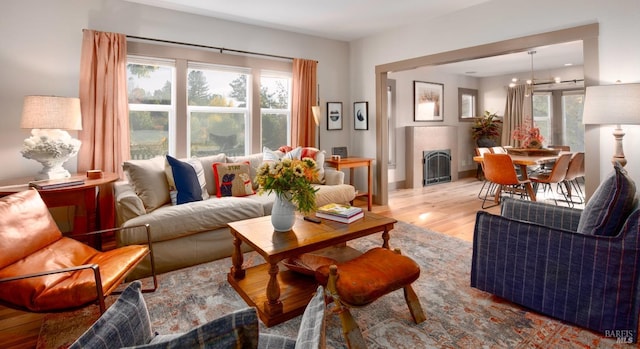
pixel 528 135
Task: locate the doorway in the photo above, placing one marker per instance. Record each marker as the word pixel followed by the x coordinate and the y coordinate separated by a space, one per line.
pixel 588 34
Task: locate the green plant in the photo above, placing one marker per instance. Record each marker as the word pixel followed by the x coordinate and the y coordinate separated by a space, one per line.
pixel 486 126
pixel 290 180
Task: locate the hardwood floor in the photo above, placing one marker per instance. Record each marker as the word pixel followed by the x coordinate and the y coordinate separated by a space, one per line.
pixel 448 208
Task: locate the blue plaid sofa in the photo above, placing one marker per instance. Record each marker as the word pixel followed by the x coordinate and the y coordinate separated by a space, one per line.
pixel 579 266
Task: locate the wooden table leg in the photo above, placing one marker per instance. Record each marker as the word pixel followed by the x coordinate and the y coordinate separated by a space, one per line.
pixel 273 305
pixel 496 198
pixel 370 186
pixel 237 258
pixel 530 191
pixel 385 238
pixel 528 187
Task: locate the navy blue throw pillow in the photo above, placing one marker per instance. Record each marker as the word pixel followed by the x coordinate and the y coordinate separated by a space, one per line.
pixel 610 205
pixel 186 181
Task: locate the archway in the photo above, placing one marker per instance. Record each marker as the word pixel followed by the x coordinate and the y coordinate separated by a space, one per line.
pixel 588 34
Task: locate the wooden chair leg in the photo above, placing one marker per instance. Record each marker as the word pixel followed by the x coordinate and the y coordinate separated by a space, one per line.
pixel 412 300
pixel 414 304
pixel 350 329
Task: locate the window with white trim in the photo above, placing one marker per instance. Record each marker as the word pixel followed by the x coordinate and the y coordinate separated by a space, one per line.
pixel 218 109
pixel 152 109
pixel 572 127
pixel 186 107
pixel 542 114
pixel 275 111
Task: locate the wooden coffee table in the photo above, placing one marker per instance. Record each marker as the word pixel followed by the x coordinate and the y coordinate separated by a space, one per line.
pixel 280 295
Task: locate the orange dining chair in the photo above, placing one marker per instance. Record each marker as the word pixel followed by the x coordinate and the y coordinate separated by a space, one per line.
pixel 499 170
pixel 575 171
pixel 489 186
pixel 498 150
pixel 547 167
pixel 555 176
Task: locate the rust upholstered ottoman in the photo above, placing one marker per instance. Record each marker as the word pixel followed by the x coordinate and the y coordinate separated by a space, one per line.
pixel 366 278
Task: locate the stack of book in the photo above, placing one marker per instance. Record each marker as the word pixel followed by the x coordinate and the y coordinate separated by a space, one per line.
pixel 340 213
pixel 56 183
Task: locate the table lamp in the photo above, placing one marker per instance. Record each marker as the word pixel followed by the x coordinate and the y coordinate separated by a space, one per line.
pixel 617 104
pixel 50 144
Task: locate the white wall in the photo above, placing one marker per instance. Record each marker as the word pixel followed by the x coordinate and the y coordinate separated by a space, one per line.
pixel 507 19
pixel 40 54
pixel 404 115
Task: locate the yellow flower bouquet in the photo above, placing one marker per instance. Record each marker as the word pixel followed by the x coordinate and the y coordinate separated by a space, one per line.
pixel 291 180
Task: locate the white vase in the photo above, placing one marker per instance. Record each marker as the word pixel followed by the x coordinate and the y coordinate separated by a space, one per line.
pixel 283 214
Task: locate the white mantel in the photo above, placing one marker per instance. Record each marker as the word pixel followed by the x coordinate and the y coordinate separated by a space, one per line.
pixel 421 138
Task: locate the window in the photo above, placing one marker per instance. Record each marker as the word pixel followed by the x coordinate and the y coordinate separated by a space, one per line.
pixel 572 127
pixel 189 102
pixel 467 104
pixel 150 84
pixel 542 114
pixel 217 105
pixel 275 113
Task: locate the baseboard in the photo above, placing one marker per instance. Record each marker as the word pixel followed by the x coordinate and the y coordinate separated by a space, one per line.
pixel 466 174
pixel 396 185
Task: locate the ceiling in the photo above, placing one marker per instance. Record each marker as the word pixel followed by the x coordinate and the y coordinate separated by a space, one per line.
pixel 544 58
pixel 348 20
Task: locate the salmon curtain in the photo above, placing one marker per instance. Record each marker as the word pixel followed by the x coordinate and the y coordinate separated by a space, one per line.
pixel 303 127
pixel 104 104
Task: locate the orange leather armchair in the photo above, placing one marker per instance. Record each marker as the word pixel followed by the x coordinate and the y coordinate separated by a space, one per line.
pixel 43 271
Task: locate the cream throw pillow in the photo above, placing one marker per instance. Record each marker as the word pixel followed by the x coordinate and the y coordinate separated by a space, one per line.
pixel 149 181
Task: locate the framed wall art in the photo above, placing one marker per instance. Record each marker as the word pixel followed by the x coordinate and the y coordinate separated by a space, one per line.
pixel 428 98
pixel 334 115
pixel 361 115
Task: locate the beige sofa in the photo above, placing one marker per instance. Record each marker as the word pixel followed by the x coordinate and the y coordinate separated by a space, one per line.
pixel 196 232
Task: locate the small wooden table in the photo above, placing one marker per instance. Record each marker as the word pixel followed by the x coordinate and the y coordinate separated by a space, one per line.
pixel 94 202
pixel 352 163
pixel 281 295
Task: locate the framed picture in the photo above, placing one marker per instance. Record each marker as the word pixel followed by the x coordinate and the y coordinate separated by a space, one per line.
pixel 334 115
pixel 361 115
pixel 428 98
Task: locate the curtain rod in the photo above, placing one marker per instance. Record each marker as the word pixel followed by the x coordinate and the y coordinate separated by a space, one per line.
pixel 221 49
pixel 561 82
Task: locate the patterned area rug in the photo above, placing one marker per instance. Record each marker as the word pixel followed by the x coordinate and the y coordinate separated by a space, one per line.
pixel 458 316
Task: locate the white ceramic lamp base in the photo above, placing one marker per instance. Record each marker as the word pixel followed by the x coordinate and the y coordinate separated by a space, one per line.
pixel 52 148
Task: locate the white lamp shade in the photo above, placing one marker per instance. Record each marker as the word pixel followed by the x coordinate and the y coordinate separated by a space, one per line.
pixel 612 104
pixel 50 112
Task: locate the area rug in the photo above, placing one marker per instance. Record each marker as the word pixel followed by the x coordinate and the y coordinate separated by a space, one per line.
pixel 458 316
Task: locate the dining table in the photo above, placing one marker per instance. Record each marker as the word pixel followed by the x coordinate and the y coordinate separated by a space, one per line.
pixel 525 160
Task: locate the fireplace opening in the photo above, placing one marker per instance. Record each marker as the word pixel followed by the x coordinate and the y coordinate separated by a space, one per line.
pixel 436 166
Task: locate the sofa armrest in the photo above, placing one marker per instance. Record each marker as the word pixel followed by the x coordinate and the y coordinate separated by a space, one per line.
pixel 128 203
pixel 333 177
pixel 551 216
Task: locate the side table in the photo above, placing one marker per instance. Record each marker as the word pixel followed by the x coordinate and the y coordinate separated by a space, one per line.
pixel 352 164
pixel 94 202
